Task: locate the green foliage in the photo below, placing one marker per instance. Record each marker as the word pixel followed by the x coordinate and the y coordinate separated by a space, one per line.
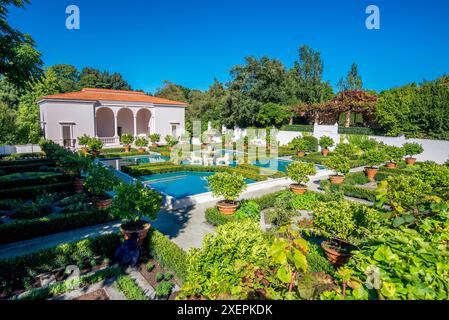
pixel 345 220
pixel 374 157
pixel 84 140
pixel 168 254
pixel 306 201
pixel 141 142
pixel 100 180
pixel 159 276
pixel 94 145
pixel 164 289
pixel 127 139
pixel 436 175
pixel 237 250
pixel 130 289
pixel 299 144
pixel 316 260
pixel 216 218
pixel 273 115
pixel 73 163
pixel 298 127
pixel 326 142
pixel 300 171
pixel 7 124
pixel 312 143
pixel 403 193
pixel 170 140
pixel 248 210
pixel 393 154
pixel 224 184
pixel 155 137
pixel 346 149
pixel 368 145
pixel 338 163
pixel 134 201
pixel 349 190
pixel 413 148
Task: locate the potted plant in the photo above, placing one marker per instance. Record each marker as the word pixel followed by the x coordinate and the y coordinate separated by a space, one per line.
pixel 336 221
pixel 393 155
pixel 98 182
pixel 412 149
pixel 132 202
pixel 300 146
pixel 373 158
pixel 300 172
pixel 84 140
pixel 77 165
pixel 155 138
pixel 229 186
pixel 95 145
pixel 126 140
pixel 141 142
pixel 340 164
pixel 171 141
pixel 325 143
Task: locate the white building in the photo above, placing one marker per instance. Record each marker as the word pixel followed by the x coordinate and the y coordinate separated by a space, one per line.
pixel 107 114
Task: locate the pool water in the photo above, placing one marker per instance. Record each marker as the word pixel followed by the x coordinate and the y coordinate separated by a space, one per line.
pixel 118 163
pixel 180 184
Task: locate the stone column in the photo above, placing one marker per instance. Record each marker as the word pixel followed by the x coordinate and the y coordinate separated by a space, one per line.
pixel 135 125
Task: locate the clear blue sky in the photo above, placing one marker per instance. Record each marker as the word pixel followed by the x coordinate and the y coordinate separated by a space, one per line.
pixel 191 42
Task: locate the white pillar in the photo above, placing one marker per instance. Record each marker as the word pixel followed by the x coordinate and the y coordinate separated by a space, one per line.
pixel 115 125
pixel 135 125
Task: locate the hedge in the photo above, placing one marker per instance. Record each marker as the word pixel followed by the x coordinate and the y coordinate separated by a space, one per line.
pixel 168 254
pixel 318 158
pixel 45 179
pixel 361 131
pixel 154 168
pixel 15 166
pixel 130 289
pixel 298 127
pixel 15 269
pixel 351 190
pixel 27 229
pixel 32 191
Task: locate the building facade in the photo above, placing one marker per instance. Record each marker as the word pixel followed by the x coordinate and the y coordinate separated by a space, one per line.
pixel 108 114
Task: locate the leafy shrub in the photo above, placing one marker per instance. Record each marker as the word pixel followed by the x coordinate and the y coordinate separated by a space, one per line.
pixel 141 142
pixel 316 260
pixel 134 201
pixel 168 276
pixel 283 209
pixel 346 149
pixel 130 289
pixel 159 276
pixel 248 210
pixel 164 289
pixel 307 201
pixel 299 144
pixel 94 145
pixel 229 186
pixel 127 139
pixel 436 175
pixel 368 144
pixel 300 171
pixel 150 266
pixel 155 138
pixel 349 190
pixel 215 218
pixel 340 164
pixel 374 157
pixel 170 140
pixel 33 191
pixel 99 180
pixel 312 143
pixel 298 127
pixel 326 142
pixel 84 140
pixel 412 149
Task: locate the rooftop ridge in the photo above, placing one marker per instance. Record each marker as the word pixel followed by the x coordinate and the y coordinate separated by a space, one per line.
pixel 112 91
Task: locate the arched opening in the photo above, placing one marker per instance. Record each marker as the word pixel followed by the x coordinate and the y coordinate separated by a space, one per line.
pixel 143 122
pixel 105 122
pixel 125 122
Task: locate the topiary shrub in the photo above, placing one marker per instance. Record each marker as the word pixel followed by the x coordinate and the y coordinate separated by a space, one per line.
pixel 312 143
pixel 338 163
pixel 299 172
pixel 326 142
pixel 226 185
pixel 413 149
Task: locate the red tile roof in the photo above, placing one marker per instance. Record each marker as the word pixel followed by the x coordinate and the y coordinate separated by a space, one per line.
pixel 91 94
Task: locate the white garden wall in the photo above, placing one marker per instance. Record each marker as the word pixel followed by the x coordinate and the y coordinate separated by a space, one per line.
pixel 27 148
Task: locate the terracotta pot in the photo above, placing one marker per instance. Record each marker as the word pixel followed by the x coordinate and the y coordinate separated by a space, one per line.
pixel 141 150
pixel 391 165
pixel 227 208
pixel 298 188
pixel 335 257
pixel 371 173
pixel 336 179
pixel 84 150
pixel 325 152
pixel 301 154
pixel 170 148
pixel 95 153
pixel 78 184
pixel 410 161
pixel 127 229
pixel 154 145
pixel 103 203
pixel 127 148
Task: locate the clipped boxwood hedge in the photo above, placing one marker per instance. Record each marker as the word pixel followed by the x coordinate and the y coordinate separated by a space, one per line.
pixel 130 289
pixel 350 190
pixel 33 191
pixel 73 253
pixel 24 165
pixel 298 127
pixel 361 131
pixel 27 229
pixel 168 254
pixel 46 178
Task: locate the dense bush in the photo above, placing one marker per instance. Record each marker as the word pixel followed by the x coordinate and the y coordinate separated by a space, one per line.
pixel 130 289
pixel 298 127
pixel 33 191
pixel 27 229
pixel 413 149
pixel 312 143
pixel 361 131
pixel 168 254
pixel 26 179
pixel 350 190
pixel 226 185
pixel 299 172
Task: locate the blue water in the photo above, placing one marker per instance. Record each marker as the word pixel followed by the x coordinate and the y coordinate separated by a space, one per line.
pixel 117 163
pixel 180 184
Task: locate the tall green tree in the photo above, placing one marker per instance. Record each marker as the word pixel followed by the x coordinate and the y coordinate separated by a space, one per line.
pixel 353 80
pixel 20 62
pixel 173 91
pixel 9 94
pixel 68 77
pixel 28 118
pixel 94 78
pixel 7 124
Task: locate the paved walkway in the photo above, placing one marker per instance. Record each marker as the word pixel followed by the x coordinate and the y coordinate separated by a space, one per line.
pixel 186 227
